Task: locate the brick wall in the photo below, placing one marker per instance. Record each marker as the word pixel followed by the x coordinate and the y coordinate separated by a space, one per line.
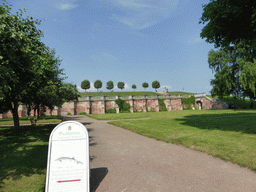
pixel 99 107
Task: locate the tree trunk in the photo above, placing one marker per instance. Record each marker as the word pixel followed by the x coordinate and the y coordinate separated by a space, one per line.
pixel 38 110
pixel 15 116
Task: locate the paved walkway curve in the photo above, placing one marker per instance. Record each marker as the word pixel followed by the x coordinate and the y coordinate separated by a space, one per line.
pixel 123 161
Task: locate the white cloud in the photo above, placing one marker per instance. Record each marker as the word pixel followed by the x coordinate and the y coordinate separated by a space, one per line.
pixel 65 6
pixel 126 86
pixel 141 14
pixel 79 88
pixel 92 88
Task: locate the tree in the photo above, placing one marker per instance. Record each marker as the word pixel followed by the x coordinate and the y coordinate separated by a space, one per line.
pixel 120 85
pixel 234 73
pixel 232 28
pixel 110 85
pixel 229 22
pixel 85 85
pixel 155 84
pixel 134 86
pixel 98 84
pixel 145 85
pixel 23 59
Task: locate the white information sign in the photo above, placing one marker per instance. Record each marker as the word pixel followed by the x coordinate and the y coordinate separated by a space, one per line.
pixel 68 165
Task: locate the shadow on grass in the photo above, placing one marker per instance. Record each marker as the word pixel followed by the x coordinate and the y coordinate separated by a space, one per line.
pixel 18 158
pixel 244 122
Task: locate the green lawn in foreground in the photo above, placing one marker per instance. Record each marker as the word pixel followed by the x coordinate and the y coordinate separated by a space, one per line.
pixel 167 114
pixel 24 120
pixel 24 158
pixel 227 134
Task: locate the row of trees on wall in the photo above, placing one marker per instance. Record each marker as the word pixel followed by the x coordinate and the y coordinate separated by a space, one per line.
pixel 110 85
pixel 29 70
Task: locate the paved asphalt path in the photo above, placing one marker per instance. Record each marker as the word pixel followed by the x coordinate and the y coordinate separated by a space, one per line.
pixel 123 161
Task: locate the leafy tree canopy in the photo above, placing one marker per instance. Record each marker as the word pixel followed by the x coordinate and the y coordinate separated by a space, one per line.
pixel 155 84
pixel 134 86
pixel 145 85
pixel 229 22
pixel 26 64
pixel 234 73
pixel 98 84
pixel 85 84
pixel 110 85
pixel 120 85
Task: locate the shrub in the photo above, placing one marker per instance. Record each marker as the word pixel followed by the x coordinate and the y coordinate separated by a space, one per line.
pixel 162 106
pixel 136 111
pixel 82 113
pixel 123 106
pixel 152 109
pixel 68 113
pixel 188 102
pixel 111 110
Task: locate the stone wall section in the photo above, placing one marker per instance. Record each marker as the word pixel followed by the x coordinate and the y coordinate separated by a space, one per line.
pixel 83 106
pixel 176 104
pixel 168 104
pixel 100 106
pixel 153 103
pixel 97 107
pixel 139 104
pixel 110 104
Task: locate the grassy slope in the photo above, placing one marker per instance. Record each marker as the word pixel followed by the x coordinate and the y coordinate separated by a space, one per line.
pixel 127 93
pixel 242 103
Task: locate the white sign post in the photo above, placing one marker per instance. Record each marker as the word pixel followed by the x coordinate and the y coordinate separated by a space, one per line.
pixel 68 165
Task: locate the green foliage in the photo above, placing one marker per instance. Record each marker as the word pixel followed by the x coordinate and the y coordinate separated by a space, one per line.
pixel 136 111
pixel 152 109
pixel 242 103
pixel 98 84
pixel 155 84
pixel 27 66
pixel 162 105
pixel 234 72
pixel 188 102
pixel 124 107
pixel 111 110
pixel 85 84
pixel 145 85
pixel 120 85
pixel 82 113
pixel 228 22
pixel 231 22
pixel 134 86
pixel 68 113
pixel 110 85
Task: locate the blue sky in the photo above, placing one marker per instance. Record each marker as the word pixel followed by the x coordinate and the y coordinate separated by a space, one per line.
pixel 130 41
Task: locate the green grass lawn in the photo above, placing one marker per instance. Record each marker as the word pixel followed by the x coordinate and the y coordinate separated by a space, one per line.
pixel 24 158
pixel 24 120
pixel 226 134
pixel 167 114
pixel 128 93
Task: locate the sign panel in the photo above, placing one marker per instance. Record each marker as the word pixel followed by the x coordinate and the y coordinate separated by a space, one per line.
pixel 68 165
